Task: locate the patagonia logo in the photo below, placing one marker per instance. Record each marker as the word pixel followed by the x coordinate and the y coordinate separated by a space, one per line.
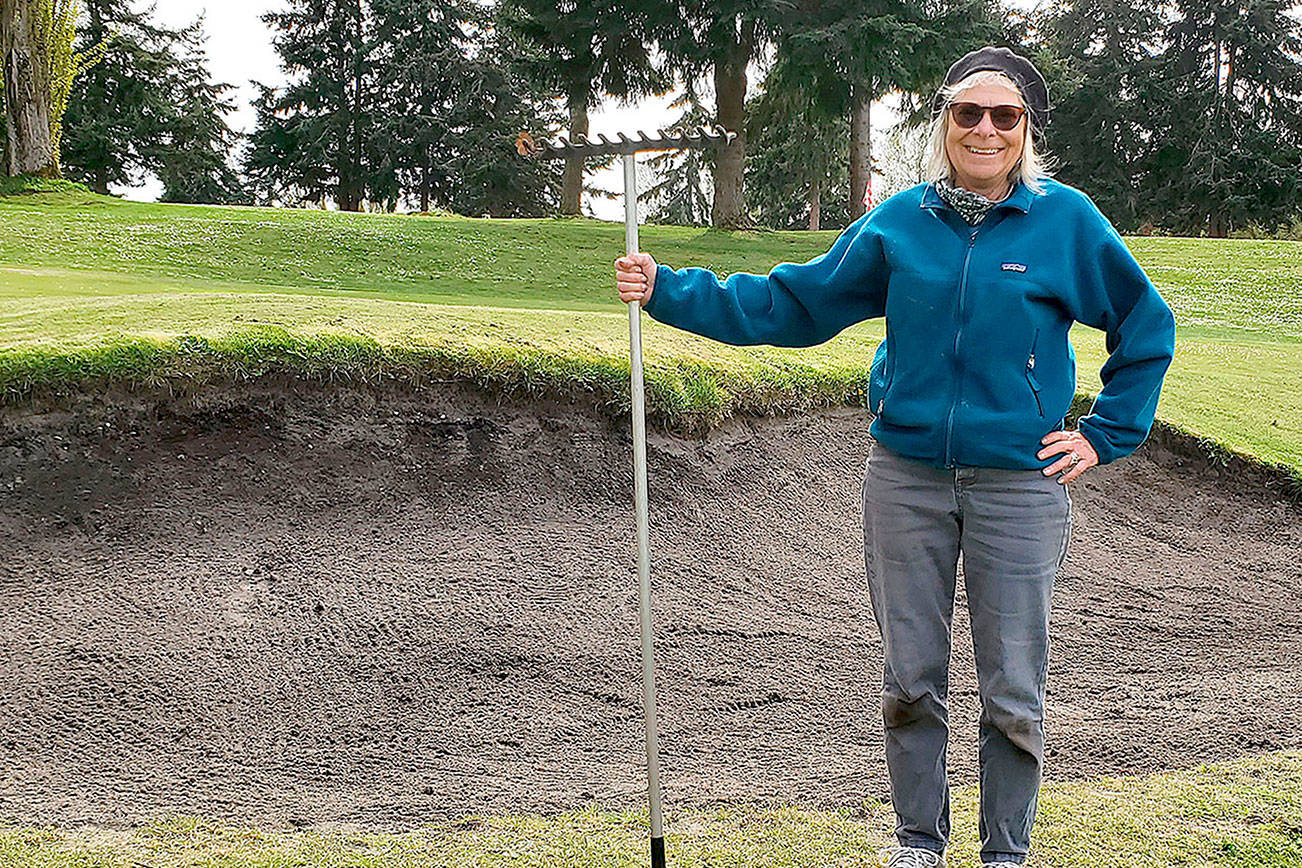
pixel 1014 266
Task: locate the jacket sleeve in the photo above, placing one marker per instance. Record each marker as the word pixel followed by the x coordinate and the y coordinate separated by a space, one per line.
pixel 1116 296
pixel 791 306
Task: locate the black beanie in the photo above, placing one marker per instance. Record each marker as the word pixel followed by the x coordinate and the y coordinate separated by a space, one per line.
pixel 1035 93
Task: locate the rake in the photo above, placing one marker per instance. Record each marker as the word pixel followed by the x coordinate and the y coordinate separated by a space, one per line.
pixel 581 145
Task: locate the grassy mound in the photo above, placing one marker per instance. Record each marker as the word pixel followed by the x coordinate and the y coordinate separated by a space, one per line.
pixel 26 185
pixel 99 290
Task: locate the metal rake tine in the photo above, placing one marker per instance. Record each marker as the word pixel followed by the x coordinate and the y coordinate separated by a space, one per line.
pixel 667 139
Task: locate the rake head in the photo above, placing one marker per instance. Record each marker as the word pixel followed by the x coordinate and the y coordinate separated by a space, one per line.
pixel 581 145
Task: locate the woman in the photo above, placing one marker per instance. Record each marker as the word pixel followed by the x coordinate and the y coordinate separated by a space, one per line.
pixel 980 274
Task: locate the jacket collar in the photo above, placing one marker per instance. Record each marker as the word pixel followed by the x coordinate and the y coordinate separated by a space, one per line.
pixel 1020 199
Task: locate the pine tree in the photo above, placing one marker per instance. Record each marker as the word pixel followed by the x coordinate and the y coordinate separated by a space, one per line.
pixel 678 194
pixel 581 54
pixel 1100 60
pixel 851 52
pixel 117 111
pixel 192 159
pixel 1227 139
pixel 315 137
pixel 796 174
pixel 719 38
pixel 423 63
pixel 148 106
pixel 487 176
pixel 392 100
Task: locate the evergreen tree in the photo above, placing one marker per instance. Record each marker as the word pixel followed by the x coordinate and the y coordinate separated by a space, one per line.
pixel 487 175
pixel 678 194
pixel 1186 117
pixel 719 38
pixel 117 111
pixel 191 161
pixel 851 52
pixel 1100 60
pixel 148 106
pixel 453 110
pixel 1227 140
pixel 315 137
pixel 392 100
pixel 424 63
pixel 796 174
pixel 582 54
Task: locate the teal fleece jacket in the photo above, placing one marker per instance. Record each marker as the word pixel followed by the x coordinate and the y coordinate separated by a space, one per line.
pixel 976 366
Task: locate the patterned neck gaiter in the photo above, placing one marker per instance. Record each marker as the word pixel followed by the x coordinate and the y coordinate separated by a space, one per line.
pixel 973 207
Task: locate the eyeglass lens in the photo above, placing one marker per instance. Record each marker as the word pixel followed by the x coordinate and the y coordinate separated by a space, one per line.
pixel 968 114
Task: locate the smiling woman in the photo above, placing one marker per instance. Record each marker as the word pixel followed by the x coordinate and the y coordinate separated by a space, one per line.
pixel 980 274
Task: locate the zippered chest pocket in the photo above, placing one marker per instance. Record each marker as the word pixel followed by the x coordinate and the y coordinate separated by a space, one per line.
pixel 1030 374
pixel 879 378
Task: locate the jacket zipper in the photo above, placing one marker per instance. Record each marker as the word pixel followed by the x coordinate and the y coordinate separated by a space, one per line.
pixel 958 334
pixel 887 372
pixel 1030 374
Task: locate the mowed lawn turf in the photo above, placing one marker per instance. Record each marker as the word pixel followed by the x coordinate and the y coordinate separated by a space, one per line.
pixel 96 287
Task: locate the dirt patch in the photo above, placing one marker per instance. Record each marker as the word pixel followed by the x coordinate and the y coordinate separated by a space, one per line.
pixel 280 602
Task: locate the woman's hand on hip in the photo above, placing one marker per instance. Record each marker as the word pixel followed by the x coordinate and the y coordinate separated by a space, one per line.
pixel 1077 454
pixel 635 277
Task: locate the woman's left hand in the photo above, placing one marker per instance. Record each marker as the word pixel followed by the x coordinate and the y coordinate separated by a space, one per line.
pixel 1080 455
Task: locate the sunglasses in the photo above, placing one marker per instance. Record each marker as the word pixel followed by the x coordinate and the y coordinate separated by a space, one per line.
pixel 968 114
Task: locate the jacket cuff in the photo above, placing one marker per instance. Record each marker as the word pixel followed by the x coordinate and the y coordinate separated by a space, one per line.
pixel 664 276
pixel 1103 447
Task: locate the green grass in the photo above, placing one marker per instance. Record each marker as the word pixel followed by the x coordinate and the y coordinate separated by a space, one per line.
pixel 30 184
pixel 95 289
pixel 1236 815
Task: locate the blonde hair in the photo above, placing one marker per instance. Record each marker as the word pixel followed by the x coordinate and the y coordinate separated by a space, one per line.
pixel 1033 166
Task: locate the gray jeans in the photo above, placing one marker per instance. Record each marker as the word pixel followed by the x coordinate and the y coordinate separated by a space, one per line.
pixel 1012 528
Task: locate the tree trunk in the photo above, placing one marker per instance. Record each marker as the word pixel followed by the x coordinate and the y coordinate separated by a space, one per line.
pixel 350 147
pixel 572 181
pixel 729 208
pixel 27 92
pixel 1216 225
pixel 861 160
pixel 424 183
pixel 815 202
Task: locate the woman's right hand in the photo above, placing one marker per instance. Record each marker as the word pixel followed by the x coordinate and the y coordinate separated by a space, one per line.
pixel 635 277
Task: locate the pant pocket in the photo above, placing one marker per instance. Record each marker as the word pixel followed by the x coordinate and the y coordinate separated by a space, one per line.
pixel 1066 531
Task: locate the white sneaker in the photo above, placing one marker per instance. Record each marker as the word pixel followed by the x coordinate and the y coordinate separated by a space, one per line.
pixel 910 857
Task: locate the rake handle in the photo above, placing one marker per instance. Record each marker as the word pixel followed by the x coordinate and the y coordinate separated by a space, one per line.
pixel 643 526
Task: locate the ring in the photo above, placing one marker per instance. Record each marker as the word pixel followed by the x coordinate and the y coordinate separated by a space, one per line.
pixel 1075 459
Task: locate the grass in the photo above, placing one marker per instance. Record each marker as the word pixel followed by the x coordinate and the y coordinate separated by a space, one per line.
pixel 99 290
pixel 1236 814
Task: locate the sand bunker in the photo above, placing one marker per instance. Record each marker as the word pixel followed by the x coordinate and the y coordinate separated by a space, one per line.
pixel 292 602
